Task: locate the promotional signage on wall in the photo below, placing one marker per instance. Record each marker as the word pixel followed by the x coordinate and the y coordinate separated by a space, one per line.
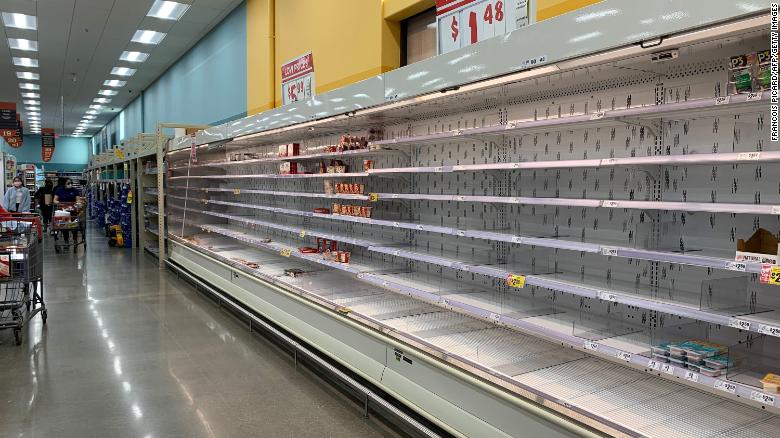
pixel 47 144
pixel 10 126
pixel 461 23
pixel 298 79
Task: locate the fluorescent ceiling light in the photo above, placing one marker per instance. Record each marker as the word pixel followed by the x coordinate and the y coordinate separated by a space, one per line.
pixel 31 95
pixel 29 86
pixel 28 75
pixel 101 100
pixel 23 44
pixel 25 62
pixel 167 10
pixel 31 102
pixel 33 109
pixel 147 37
pixel 108 92
pixel 90 117
pixel 122 71
pixel 20 21
pixel 133 56
pixel 114 83
pixel 91 111
pixel 95 107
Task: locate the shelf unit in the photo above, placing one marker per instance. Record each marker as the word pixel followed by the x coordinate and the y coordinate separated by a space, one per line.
pixel 544 234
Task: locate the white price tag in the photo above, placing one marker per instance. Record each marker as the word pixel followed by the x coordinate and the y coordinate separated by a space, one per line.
pixel 397 252
pixel 460 198
pixel 438 169
pixel 749 156
pixel 691 376
pixel 590 345
pixel 769 330
pixel 611 204
pixel 608 251
pixel 608 296
pixel 608 161
pixel 385 284
pixel 736 266
pixel 653 364
pixel 396 224
pixel 760 397
pixel 460 233
pixel 597 116
pixel 419 227
pixel 495 316
pixel 739 323
pixel 722 100
pixel 725 386
pixel 776 209
pixel 517 239
pixel 622 355
pixel 753 97
pixel 667 368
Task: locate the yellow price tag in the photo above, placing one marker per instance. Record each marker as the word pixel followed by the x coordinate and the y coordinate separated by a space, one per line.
pixel 302 233
pixel 516 281
pixel 373 197
pixel 285 252
pixel 236 191
pixel 119 154
pixel 774 276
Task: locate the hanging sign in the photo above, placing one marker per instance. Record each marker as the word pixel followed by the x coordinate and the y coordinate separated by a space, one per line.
pixel 298 79
pixel 47 144
pixel 193 149
pixel 10 126
pixel 461 23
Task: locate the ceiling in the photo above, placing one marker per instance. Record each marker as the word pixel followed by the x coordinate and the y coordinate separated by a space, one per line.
pixel 80 41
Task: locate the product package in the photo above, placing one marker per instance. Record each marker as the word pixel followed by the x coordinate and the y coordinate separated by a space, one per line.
pixel 328 184
pixel 741 73
pixel 289 150
pixel 771 383
pixel 5 265
pixel 763 79
pixel 761 247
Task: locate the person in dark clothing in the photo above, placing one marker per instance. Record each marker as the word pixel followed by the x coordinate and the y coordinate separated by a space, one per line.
pixel 66 194
pixel 45 198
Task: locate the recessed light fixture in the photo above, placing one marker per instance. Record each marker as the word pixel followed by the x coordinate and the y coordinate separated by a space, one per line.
pixel 108 92
pixel 101 100
pixel 28 75
pixel 95 107
pixel 89 117
pixel 133 56
pixel 32 102
pixel 167 10
pixel 147 37
pixel 23 44
pixel 25 62
pixel 33 109
pixel 29 86
pixel 31 95
pixel 123 71
pixel 114 83
pixel 21 21
pixel 92 111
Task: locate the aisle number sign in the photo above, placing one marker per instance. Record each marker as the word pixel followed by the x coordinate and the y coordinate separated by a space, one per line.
pixel 461 23
pixel 298 79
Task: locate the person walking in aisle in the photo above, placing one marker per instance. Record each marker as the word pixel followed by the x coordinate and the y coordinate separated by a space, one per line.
pixel 17 197
pixel 66 193
pixel 45 198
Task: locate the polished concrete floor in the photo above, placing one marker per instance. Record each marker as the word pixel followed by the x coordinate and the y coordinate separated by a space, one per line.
pixel 131 351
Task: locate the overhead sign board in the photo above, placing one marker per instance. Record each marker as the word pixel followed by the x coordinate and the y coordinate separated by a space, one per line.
pixel 461 23
pixel 298 79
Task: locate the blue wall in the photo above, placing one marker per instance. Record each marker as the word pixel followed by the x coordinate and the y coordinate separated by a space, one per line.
pixel 207 85
pixel 70 153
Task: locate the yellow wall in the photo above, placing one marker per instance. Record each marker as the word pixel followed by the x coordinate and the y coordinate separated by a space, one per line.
pixel 552 8
pixel 350 40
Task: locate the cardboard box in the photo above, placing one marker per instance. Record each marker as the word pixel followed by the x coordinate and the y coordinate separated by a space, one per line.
pixel 761 247
pixel 5 265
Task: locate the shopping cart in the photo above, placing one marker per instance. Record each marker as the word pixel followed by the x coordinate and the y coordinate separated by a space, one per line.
pixel 69 217
pixel 21 271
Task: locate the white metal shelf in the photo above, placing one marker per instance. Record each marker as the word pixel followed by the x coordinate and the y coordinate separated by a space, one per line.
pixel 593 290
pixel 277 159
pixel 552 326
pixel 694 259
pixel 274 193
pixel 691 109
pixel 274 176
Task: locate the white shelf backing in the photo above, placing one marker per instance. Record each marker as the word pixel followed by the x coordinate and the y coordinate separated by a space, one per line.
pixel 593 385
pixel 619 191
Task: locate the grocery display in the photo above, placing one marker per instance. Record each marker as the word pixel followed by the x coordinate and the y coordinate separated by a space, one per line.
pixel 601 237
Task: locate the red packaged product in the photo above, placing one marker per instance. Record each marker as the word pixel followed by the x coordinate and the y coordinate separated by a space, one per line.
pixel 322 210
pixel 336 208
pixel 308 250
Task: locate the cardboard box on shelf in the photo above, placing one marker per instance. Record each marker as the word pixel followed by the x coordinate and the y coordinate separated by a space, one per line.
pixel 761 247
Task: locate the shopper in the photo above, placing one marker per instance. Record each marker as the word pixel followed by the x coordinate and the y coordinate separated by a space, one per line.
pixel 17 197
pixel 45 198
pixel 66 194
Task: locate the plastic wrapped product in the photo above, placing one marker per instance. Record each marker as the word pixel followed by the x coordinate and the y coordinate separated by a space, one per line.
pixel 678 362
pixel 676 351
pixel 328 184
pixel 719 362
pixel 763 71
pixel 741 73
pixel 661 349
pixel 771 383
pixel 710 372
pixel 661 357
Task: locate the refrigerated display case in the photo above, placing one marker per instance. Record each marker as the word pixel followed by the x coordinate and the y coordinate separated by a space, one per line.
pixel 568 237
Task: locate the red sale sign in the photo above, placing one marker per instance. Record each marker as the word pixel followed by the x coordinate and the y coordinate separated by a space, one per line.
pixel 47 144
pixel 298 79
pixel 461 23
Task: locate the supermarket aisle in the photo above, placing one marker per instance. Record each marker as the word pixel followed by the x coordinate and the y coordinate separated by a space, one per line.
pixel 130 351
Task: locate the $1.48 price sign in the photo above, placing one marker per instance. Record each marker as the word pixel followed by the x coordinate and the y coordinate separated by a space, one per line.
pixel 464 22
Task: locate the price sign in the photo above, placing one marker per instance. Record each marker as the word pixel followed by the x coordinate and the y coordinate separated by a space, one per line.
pixel 590 345
pixel 722 100
pixel 495 317
pixel 607 296
pixel 373 197
pixel 760 397
pixel 749 156
pixel 302 233
pixel 622 355
pixel 653 364
pixel 236 191
pixel 736 266
pixel 769 330
pixel 668 369
pixel 739 323
pixel 515 281
pixel 753 96
pixel 285 252
pixel 770 274
pixel 461 23
pixel 298 79
pixel 608 251
pixel 725 386
pixel 691 376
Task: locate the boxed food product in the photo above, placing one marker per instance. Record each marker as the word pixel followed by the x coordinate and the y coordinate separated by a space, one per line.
pixel 368 165
pixel 763 79
pixel 677 362
pixel 719 362
pixel 322 211
pixel 711 372
pixel 771 383
pixel 761 247
pixel 329 187
pixel 5 265
pixel 293 149
pixel 336 208
pixel 288 168
pixel 741 73
pixel 308 250
pixel 283 150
